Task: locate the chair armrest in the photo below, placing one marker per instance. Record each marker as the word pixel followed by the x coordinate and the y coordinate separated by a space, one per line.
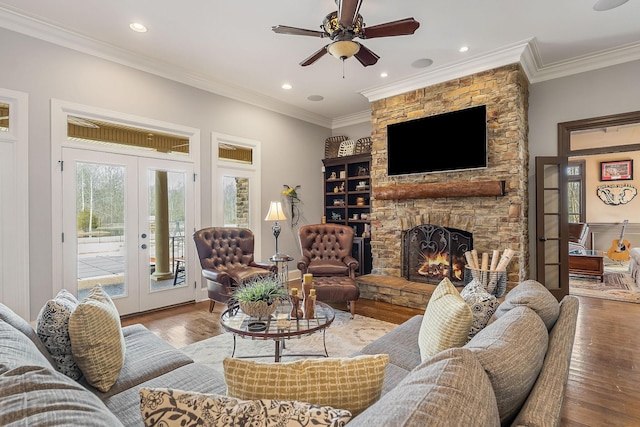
pixel 303 264
pixel 353 264
pixel 266 265
pixel 217 276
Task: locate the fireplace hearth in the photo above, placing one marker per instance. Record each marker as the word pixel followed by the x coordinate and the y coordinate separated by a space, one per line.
pixel 431 253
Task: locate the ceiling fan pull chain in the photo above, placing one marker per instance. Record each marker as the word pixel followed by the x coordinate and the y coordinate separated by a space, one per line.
pixel 343 67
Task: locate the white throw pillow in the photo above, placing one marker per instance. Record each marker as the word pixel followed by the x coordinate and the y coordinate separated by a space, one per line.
pixel 446 323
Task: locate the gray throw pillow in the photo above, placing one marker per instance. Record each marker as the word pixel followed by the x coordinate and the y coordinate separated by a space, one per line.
pixel 52 326
pixel 534 295
pixel 512 350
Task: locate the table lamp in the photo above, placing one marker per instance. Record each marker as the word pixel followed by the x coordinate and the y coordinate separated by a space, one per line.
pixel 275 214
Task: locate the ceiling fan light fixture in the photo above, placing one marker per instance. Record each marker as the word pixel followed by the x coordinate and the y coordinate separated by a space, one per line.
pixel 343 49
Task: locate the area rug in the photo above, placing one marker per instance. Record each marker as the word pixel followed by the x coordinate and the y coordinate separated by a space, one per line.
pixel 344 337
pixel 616 286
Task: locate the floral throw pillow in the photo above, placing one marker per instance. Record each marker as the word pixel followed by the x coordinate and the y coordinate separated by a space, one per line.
pixel 168 407
pixel 482 305
pixel 52 326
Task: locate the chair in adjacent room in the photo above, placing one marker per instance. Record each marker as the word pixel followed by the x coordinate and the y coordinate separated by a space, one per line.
pixel 326 253
pixel 578 235
pixel 226 258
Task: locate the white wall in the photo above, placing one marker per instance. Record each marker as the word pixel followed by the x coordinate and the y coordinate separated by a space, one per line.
pixel 291 149
pixel 611 90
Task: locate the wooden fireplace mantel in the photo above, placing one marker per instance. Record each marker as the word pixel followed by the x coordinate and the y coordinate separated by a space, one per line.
pixel 436 190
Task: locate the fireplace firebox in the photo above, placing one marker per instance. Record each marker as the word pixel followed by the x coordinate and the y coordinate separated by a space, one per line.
pixel 431 252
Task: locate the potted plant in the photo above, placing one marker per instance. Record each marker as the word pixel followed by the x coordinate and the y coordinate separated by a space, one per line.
pixel 259 297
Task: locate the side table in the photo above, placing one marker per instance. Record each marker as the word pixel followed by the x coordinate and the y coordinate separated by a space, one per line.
pixel 282 262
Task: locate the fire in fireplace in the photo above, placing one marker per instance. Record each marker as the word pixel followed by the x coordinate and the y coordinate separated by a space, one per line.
pixel 430 253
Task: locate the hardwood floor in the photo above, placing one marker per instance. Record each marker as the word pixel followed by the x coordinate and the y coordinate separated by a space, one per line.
pixel 604 378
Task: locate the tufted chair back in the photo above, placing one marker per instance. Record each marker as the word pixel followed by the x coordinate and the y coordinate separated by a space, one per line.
pixel 226 258
pixel 326 250
pixel 224 247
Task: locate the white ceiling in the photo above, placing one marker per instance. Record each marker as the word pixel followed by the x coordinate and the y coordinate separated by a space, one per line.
pixel 228 47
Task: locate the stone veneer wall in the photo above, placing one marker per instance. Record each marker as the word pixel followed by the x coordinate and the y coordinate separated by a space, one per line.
pixel 496 222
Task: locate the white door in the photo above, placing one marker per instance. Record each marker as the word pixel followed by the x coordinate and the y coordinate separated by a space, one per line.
pixel 125 226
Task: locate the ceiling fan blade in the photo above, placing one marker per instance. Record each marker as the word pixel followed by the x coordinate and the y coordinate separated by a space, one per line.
pixel 348 11
pixel 316 55
pixel 366 57
pixel 402 27
pixel 283 29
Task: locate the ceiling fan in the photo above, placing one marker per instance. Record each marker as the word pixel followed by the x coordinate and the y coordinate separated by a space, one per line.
pixel 345 24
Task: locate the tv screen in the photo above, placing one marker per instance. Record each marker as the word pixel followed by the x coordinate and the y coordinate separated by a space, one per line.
pixel 445 142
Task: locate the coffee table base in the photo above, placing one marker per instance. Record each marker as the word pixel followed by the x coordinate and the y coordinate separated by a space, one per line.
pixel 279 346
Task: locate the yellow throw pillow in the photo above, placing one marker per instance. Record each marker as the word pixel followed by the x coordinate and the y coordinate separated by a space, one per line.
pixel 351 383
pixel 446 322
pixel 97 343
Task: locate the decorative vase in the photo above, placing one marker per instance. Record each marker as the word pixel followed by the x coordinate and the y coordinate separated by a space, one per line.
pixel 258 309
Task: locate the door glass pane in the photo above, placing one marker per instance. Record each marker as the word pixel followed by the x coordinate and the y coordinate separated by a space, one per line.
pixel 100 210
pixel 235 201
pixel 166 226
pixel 4 117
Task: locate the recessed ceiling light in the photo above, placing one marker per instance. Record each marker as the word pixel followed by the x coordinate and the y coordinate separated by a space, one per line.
pixel 463 49
pixel 286 86
pixel 602 5
pixel 315 97
pixel 138 27
pixel 422 63
pixel 383 74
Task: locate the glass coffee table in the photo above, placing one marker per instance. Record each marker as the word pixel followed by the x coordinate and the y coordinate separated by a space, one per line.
pixel 278 327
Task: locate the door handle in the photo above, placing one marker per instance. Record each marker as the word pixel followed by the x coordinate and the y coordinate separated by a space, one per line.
pixel 143 235
pixel 144 246
pixel 543 239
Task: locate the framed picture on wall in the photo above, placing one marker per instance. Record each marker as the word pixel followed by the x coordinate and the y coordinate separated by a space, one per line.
pixel 616 171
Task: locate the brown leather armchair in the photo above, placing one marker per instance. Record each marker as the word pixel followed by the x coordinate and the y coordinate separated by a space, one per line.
pixel 226 258
pixel 326 253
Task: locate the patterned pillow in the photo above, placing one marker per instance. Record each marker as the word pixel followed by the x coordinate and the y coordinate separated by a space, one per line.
pixel 52 326
pixel 167 407
pixel 446 322
pixel 482 305
pixel 97 342
pixel 351 383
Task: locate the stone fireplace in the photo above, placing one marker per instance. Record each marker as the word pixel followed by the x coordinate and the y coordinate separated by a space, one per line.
pixel 431 253
pixel 491 204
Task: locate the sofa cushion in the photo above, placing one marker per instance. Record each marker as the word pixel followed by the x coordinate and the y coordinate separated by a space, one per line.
pixel 97 342
pixel 7 315
pixel 52 326
pixel 534 295
pixel 544 403
pixel 194 377
pixel 348 383
pixel 172 407
pixel 511 350
pixel 446 322
pixel 34 393
pixel 448 389
pixel 482 305
pixel 401 344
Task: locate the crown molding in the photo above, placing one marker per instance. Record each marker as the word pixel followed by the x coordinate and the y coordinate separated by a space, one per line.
pixel 39 29
pixel 482 62
pixel 351 119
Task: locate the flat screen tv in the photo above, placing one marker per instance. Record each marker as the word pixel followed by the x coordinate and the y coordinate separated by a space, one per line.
pixel 451 141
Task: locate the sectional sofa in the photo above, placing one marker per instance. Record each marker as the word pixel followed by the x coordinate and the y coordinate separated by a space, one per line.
pixel 513 372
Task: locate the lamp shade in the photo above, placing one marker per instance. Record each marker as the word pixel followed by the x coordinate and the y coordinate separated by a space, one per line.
pixel 275 212
pixel 343 49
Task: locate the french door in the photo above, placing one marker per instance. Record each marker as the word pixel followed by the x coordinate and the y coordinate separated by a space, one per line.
pixel 127 221
pixel 552 267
